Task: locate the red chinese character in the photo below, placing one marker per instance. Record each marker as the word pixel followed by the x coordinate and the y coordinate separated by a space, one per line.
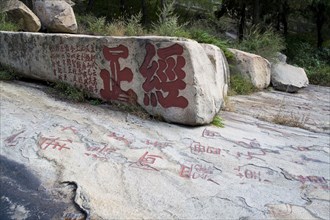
pixel 197 147
pixel 201 172
pixel 14 139
pixel 186 171
pixel 111 81
pixel 164 77
pixel 210 134
pixel 145 160
pixel 46 142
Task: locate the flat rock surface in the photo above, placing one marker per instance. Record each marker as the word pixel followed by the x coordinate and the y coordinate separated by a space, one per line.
pixel 96 163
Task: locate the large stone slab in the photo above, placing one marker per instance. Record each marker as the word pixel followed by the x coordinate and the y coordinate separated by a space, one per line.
pixel 56 16
pixel 169 77
pixel 253 67
pixel 19 10
pixel 123 167
pixel 288 78
pixel 222 74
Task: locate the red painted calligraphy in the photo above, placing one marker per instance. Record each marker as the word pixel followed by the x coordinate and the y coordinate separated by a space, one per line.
pixel 195 171
pixel 119 137
pixel 145 161
pixel 210 134
pixel 157 143
pixel 70 128
pixel 54 142
pixel 196 147
pixel 164 77
pixel 14 139
pixel 99 153
pixel 250 174
pixel 111 80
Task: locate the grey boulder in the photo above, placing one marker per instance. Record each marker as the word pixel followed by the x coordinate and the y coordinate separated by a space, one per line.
pixel 288 78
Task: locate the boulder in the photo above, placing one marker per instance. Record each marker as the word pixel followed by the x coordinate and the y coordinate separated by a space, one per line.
pixel 56 16
pixel 169 77
pixel 221 68
pixel 18 11
pixel 288 78
pixel 253 67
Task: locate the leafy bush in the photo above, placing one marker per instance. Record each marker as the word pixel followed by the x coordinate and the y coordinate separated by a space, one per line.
pixel 218 122
pixel 265 43
pixel 134 26
pixel 204 37
pixel 6 25
pixel 69 92
pixel 168 23
pixel 89 24
pixel 316 62
pixel 239 85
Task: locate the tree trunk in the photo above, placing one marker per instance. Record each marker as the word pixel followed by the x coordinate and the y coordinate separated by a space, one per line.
pixel 144 12
pixel 122 7
pixel 241 21
pixel 285 13
pixel 90 5
pixel 256 12
pixel 320 20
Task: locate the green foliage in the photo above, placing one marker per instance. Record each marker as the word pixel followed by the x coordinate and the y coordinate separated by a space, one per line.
pixel 316 62
pixel 204 37
pixel 168 23
pixel 218 122
pixel 265 43
pixel 134 26
pixel 6 25
pixel 89 24
pixel 7 74
pixel 239 85
pixel 69 92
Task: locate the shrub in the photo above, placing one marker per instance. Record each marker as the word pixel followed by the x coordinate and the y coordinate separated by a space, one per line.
pixel 6 25
pixel 315 61
pixel 168 23
pixel 204 37
pixel 265 43
pixel 89 24
pixel 239 85
pixel 218 122
pixel 134 26
pixel 69 92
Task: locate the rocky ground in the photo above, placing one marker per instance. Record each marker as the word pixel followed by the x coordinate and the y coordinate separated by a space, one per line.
pixel 77 161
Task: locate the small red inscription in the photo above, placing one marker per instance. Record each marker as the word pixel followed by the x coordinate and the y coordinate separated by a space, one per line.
pixel 70 128
pixel 119 137
pixel 14 139
pixel 314 180
pixel 157 143
pixel 99 153
pixel 53 142
pixel 250 174
pixel 196 147
pixel 195 171
pixel 111 80
pixel 145 162
pixel 210 134
pixel 164 76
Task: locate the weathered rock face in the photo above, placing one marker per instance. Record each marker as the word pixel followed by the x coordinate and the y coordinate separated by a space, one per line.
pixel 288 78
pixel 168 77
pixel 221 67
pixel 19 10
pixel 124 167
pixel 56 16
pixel 253 67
